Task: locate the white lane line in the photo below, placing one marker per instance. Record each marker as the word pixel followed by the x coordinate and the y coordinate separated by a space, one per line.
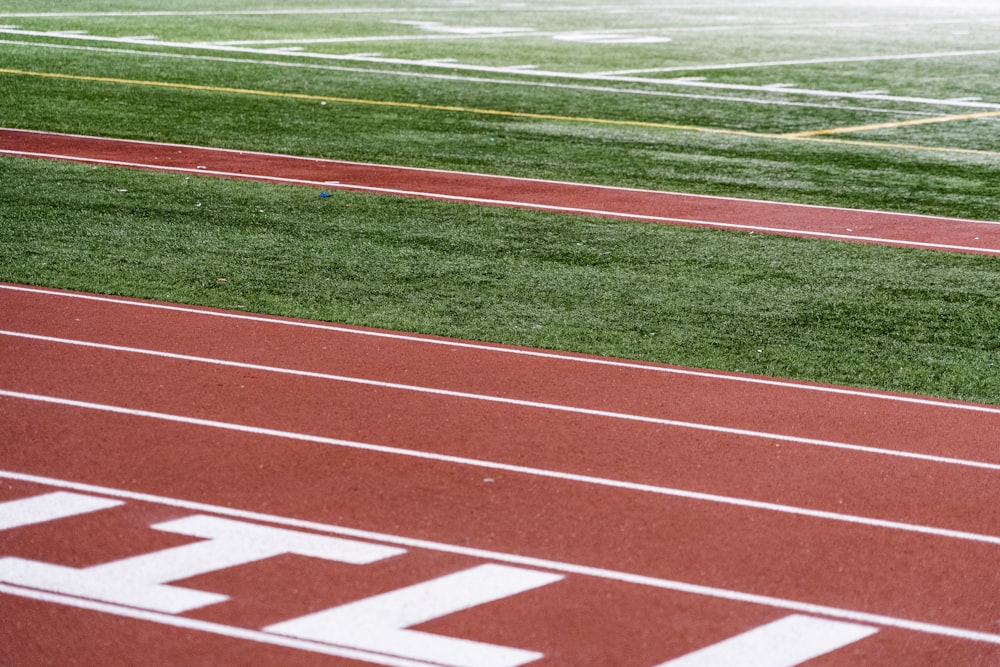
pixel 483 347
pixel 526 561
pixel 521 403
pixel 789 231
pixel 220 629
pixel 742 503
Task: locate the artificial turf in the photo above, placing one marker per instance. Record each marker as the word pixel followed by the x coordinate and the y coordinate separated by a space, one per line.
pixel 909 320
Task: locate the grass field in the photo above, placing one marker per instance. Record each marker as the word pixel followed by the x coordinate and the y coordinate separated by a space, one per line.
pixel 877 105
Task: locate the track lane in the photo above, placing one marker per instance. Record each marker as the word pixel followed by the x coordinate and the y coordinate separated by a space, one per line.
pixel 926 426
pixel 592 621
pixel 671 459
pixel 915 231
pixel 737 553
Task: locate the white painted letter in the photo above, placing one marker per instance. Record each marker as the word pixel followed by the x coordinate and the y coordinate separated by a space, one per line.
pixel 786 642
pixel 49 507
pixel 141 581
pixel 379 623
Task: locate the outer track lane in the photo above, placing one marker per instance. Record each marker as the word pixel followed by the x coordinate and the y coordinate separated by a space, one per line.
pixel 912 576
pixel 650 206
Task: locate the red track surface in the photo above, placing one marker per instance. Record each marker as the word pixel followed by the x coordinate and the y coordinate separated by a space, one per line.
pixel 667 509
pixel 947 234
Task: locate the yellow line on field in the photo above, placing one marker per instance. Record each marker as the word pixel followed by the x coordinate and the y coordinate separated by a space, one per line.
pixel 802 136
pixel 406 105
pixel 884 126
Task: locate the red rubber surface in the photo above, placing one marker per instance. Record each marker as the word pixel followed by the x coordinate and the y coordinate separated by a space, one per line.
pixel 946 234
pixel 683 507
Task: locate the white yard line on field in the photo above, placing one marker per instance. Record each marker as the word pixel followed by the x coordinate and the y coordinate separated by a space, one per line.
pixel 520 70
pixel 449 9
pixel 814 61
pixel 615 90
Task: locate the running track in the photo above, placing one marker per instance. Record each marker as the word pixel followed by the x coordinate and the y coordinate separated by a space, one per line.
pixel 369 497
pixel 915 231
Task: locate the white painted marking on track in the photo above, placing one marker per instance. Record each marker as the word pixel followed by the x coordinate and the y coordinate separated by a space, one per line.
pixel 142 581
pixel 849 615
pixel 219 629
pixel 381 623
pixel 506 467
pixel 49 507
pixel 563 356
pixel 787 642
pixel 537 405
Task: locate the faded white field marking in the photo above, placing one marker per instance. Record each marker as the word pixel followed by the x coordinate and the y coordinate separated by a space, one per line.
pixel 515 559
pixel 358 40
pixel 449 9
pixel 518 70
pixel 520 403
pixel 542 473
pixel 519 7
pixel 814 61
pixel 462 78
pixel 583 36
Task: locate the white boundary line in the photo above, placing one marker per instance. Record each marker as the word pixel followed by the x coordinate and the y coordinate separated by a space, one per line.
pixel 799 233
pixel 537 405
pixel 564 356
pixel 543 473
pixel 526 561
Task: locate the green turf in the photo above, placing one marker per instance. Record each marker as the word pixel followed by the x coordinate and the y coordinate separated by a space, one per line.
pixel 896 319
pixel 909 320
